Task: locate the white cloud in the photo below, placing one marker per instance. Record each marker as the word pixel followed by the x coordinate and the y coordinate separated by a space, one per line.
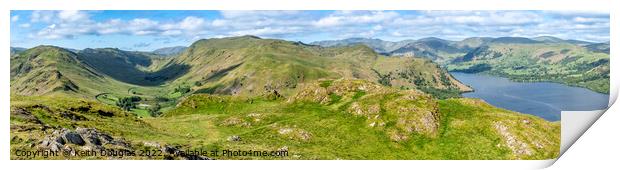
pixel 355 18
pixel 267 31
pixel 72 16
pixel 24 25
pixel 15 18
pixel 42 16
pixel 337 24
pixel 228 14
pixel 192 23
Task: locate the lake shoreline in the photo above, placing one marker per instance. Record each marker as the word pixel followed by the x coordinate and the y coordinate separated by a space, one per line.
pixel 526 81
pixel 543 99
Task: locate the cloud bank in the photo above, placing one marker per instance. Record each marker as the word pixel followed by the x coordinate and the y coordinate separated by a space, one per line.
pixel 321 25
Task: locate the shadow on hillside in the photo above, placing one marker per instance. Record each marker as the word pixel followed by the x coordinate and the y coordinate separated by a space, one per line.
pixel 142 78
pixel 166 74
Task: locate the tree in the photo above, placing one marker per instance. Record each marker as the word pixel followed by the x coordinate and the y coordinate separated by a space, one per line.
pixel 154 110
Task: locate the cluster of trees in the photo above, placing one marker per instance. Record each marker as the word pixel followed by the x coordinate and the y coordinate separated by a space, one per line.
pixel 385 80
pixel 475 68
pixel 182 89
pixel 128 103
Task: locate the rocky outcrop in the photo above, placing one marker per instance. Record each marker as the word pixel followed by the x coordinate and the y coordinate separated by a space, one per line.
pixel 411 111
pixel 81 139
pixel 321 92
pixel 90 139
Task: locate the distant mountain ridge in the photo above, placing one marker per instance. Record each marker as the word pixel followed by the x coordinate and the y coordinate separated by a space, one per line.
pixel 15 50
pixel 544 58
pixel 169 51
pixel 245 65
pixel 438 49
pixel 378 45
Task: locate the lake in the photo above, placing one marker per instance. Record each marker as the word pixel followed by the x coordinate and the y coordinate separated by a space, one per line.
pixel 542 99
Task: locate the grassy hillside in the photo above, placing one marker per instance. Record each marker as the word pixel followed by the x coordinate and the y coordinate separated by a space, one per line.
pixel 252 66
pixel 247 93
pixel 244 66
pixel 337 119
pixel 131 67
pixel 557 62
pixel 47 69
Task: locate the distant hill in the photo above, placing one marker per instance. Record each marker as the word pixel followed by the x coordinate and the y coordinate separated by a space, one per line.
pixel 380 46
pixel 170 51
pixel 548 56
pixel 137 68
pixel 436 49
pixel 550 39
pixel 558 62
pixel 15 50
pixel 514 40
pixel 249 65
pixel 244 65
pixel 440 50
pixel 599 47
pixel 48 69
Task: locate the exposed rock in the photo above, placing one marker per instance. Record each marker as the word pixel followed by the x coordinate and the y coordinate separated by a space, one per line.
pixel 173 152
pixel 74 138
pixel 234 138
pixel 295 133
pixel 87 138
pixel 152 144
pixel 518 147
pixel 525 121
pixel 234 121
pixel 283 149
pixel 285 131
pixel 304 135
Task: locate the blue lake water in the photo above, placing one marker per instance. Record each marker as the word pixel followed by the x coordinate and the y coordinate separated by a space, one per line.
pixel 542 99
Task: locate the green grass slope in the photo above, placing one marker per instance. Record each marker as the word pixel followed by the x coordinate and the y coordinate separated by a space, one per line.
pixel 136 68
pixel 252 66
pixel 246 66
pixel 331 119
pixel 47 69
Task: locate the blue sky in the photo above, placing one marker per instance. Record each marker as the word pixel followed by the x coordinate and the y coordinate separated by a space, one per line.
pixel 148 30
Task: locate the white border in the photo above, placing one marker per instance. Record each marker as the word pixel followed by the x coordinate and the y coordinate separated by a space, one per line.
pixel 574 157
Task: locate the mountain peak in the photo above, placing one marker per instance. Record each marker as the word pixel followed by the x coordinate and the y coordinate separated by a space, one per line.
pixel 169 51
pixel 432 39
pixel 515 40
pixel 548 38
